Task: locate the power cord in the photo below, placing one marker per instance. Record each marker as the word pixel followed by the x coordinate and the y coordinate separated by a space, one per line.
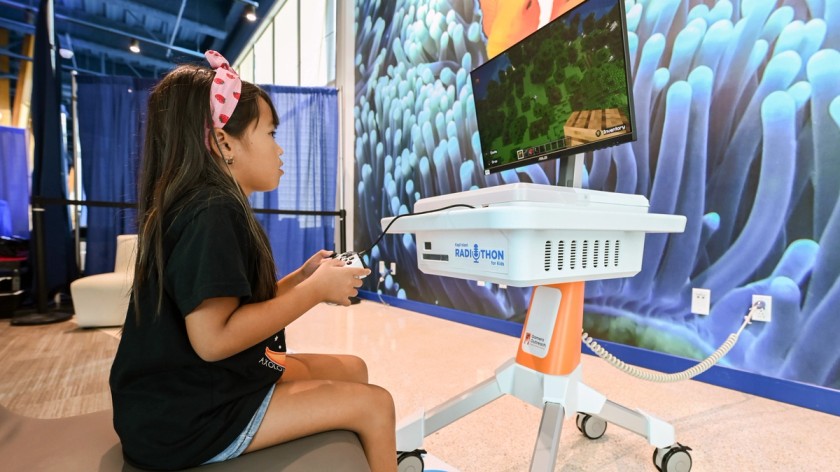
pixel 378 283
pixel 384 231
pixel 677 376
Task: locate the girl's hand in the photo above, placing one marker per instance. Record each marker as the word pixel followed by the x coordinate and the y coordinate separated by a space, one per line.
pixel 311 265
pixel 336 283
pixel 303 272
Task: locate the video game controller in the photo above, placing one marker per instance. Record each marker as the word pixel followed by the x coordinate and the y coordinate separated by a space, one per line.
pixel 350 259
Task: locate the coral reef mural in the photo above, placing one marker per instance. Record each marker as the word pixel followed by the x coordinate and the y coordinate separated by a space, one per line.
pixel 737 107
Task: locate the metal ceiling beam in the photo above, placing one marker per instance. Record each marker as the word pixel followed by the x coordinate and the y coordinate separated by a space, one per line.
pixel 129 35
pixel 88 47
pixel 128 57
pixel 169 17
pixel 91 24
pixel 175 28
pixel 14 55
pixel 16 26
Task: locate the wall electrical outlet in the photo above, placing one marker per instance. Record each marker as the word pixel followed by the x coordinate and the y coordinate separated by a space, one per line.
pixel 701 299
pixel 763 314
pixel 381 267
pixel 393 268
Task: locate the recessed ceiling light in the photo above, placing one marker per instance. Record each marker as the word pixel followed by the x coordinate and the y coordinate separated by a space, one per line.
pixel 135 46
pixel 251 13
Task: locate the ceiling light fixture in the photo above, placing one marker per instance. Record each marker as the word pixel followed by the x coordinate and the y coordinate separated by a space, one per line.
pixel 251 12
pixel 135 46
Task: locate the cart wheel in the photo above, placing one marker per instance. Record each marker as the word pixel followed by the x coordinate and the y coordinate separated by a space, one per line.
pixel 672 459
pixel 411 461
pixel 591 426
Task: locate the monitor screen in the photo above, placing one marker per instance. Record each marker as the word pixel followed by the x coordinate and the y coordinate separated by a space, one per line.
pixel 562 90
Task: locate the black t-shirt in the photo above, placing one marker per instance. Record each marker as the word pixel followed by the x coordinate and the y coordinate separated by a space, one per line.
pixel 171 408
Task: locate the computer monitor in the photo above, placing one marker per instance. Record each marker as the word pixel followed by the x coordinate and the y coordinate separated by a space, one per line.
pixel 563 90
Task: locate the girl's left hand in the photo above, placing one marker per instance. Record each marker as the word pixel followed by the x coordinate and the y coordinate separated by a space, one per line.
pixel 311 265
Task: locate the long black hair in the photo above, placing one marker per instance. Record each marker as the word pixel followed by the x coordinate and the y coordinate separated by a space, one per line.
pixel 177 164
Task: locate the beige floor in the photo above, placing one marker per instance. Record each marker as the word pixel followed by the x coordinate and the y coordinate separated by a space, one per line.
pixel 425 361
pixel 59 370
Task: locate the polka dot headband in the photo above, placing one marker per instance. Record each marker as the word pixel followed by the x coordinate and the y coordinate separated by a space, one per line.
pixel 225 89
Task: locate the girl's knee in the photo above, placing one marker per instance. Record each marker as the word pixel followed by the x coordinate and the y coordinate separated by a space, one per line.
pixel 383 402
pixel 357 368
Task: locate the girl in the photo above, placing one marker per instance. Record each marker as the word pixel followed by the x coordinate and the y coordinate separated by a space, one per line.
pixel 201 374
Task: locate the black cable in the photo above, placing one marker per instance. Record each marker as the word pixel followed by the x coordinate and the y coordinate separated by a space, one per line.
pixel 384 231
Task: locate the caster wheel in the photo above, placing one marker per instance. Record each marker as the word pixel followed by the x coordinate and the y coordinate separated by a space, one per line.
pixel 411 461
pixel 672 459
pixel 591 426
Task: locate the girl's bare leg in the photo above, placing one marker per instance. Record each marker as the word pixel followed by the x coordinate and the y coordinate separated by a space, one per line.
pixel 325 367
pixel 321 393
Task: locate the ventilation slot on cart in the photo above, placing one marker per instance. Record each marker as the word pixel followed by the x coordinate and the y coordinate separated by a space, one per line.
pixel 616 251
pixel 606 253
pixel 595 254
pixel 584 254
pixel 572 255
pixel 561 247
pixel 547 263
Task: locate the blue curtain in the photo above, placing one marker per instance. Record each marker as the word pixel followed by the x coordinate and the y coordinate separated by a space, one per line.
pixel 14 183
pixel 308 134
pixel 112 114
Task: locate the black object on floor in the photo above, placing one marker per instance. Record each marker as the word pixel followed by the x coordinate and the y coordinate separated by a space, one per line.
pixel 31 319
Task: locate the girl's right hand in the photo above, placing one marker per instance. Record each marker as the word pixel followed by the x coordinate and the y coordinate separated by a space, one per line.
pixel 336 283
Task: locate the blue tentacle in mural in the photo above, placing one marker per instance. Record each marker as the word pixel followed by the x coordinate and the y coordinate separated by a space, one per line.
pixel 827 266
pixel 823 71
pixel 685 46
pixel 600 169
pixel 625 168
pixel 714 44
pixel 778 114
pixel 675 273
pixel 732 173
pixel 722 10
pixel 832 20
pixel 746 38
pixel 816 349
pixel 663 195
pixel 779 20
pixel 642 94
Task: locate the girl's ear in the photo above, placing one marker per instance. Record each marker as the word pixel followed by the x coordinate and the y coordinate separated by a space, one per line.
pixel 223 141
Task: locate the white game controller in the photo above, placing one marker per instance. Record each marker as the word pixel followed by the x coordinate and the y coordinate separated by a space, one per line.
pixel 351 259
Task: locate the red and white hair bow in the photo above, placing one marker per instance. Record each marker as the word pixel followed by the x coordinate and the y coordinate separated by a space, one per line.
pixel 225 89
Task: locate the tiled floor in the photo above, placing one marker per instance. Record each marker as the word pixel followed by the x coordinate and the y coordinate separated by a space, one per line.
pixel 425 361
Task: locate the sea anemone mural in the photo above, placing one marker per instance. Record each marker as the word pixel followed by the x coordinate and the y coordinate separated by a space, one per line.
pixel 737 108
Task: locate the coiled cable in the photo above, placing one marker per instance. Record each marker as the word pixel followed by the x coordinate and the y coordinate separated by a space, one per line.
pixel 701 367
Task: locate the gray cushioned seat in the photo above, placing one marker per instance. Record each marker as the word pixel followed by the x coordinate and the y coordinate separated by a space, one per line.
pixel 88 443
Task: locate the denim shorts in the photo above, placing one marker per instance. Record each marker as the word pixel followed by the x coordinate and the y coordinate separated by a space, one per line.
pixel 238 446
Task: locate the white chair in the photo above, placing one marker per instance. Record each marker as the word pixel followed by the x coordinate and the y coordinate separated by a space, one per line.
pixel 102 299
